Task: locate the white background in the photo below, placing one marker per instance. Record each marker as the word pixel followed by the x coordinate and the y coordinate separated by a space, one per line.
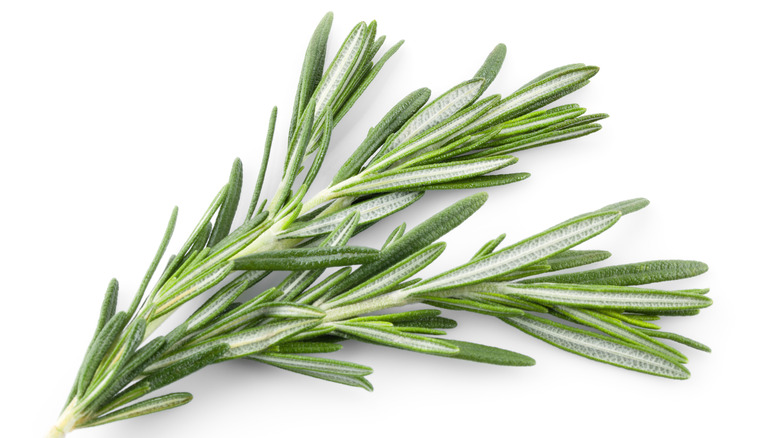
pixel 111 113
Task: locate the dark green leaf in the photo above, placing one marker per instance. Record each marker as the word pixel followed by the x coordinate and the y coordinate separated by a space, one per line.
pixel 101 346
pixel 492 65
pixel 228 209
pixel 574 258
pixel 155 262
pixel 145 407
pixel 311 72
pixel 297 259
pixel 478 182
pixel 487 354
pixel 630 274
pixel 269 138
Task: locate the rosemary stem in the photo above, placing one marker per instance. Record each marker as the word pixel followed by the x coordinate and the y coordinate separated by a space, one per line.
pixel 64 423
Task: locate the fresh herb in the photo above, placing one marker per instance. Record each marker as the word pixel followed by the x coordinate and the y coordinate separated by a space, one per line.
pixel 457 140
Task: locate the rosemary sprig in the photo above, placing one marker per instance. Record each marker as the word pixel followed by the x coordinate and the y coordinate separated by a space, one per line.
pixel 458 140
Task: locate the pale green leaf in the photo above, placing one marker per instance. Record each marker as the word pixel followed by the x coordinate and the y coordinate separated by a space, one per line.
pixel 599 347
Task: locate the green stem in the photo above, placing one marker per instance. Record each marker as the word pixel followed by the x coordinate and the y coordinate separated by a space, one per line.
pixel 65 423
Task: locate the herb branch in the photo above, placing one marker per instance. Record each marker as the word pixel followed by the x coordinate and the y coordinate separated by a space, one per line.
pixel 336 292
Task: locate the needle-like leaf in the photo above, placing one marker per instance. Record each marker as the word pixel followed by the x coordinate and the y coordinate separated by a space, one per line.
pixel 524 253
pixel 631 274
pixel 150 406
pixel 610 297
pixel 599 347
pixel 422 176
pixel 392 337
pixel 308 363
pixel 369 211
pixel 296 259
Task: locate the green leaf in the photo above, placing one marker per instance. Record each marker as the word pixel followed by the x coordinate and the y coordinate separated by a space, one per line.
pixel 524 253
pixel 618 330
pixel 411 315
pixel 189 290
pixel 385 281
pixel 598 347
pixel 458 149
pixel 677 338
pixel 106 400
pixel 304 347
pixel 242 343
pixel 436 112
pixel 479 182
pixel 676 312
pixel 392 337
pixel 102 345
pixel 107 311
pixel 574 258
pixel 493 293
pixel 491 355
pixel 322 148
pixel 269 138
pixel 341 68
pixel 491 309
pixel 536 121
pixel 542 139
pixel 369 211
pixel 417 238
pixel 431 322
pixel 629 319
pixel 492 65
pixel 309 363
pixel 315 293
pixel 626 207
pixel 577 121
pixel 146 407
pixel 295 154
pixel 215 305
pixel 377 135
pixel 155 262
pixel 282 309
pixel 375 46
pixel 610 297
pixel 356 381
pixel 257 339
pixel 421 176
pixel 430 139
pixel 228 209
pixel 395 235
pixel 537 94
pixel 366 80
pixel 172 371
pixel 489 246
pixel 174 264
pixel 252 311
pixel 526 271
pixel 311 72
pixel 414 319
pixel 297 259
pixel 108 308
pixel 630 274
pixel 553 72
